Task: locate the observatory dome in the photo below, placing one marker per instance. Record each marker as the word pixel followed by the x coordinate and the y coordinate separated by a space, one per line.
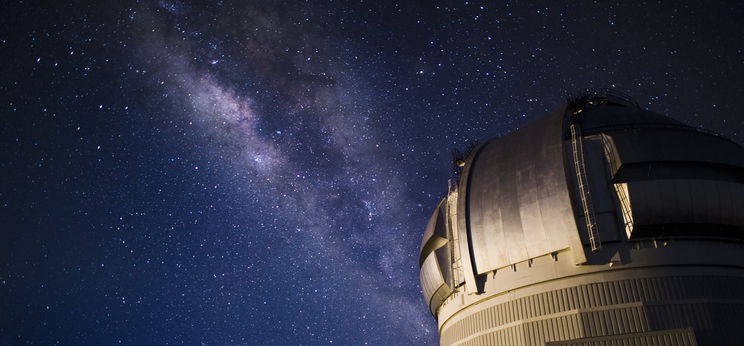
pixel 598 222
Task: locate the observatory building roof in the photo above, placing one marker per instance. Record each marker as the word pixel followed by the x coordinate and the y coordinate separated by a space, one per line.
pixel 597 170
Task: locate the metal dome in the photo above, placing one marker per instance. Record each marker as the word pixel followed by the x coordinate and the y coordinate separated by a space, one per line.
pixel 595 184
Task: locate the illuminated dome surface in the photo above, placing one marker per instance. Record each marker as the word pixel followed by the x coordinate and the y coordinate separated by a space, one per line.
pixel 599 223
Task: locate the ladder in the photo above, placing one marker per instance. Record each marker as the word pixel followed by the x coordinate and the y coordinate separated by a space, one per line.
pixel 581 178
pixel 452 235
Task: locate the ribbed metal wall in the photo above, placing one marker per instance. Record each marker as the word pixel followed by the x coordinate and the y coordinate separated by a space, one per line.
pixel 601 309
pixel 678 337
pixel 659 202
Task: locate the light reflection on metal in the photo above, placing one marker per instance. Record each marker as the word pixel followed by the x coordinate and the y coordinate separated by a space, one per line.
pixel 518 197
pixel 503 262
pixel 433 284
pixel 621 189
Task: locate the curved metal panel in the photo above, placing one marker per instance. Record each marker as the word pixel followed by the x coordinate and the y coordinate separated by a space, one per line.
pixel 431 225
pixel 686 201
pixel 674 145
pixel 445 266
pixel 439 296
pixel 433 286
pixel 519 204
pixel 435 235
pixel 463 222
pixel 681 177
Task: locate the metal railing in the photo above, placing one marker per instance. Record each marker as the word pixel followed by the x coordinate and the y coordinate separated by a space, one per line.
pixel 452 235
pixel 582 181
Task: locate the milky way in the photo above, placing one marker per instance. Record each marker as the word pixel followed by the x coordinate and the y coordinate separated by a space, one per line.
pixel 349 223
pixel 261 172
pixel 341 221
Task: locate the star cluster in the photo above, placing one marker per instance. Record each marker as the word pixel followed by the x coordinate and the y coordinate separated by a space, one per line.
pixel 261 172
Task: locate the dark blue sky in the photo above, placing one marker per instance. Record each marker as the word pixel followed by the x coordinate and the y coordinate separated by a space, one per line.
pixel 234 173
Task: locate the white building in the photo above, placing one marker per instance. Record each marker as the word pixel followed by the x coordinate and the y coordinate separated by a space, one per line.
pixel 600 224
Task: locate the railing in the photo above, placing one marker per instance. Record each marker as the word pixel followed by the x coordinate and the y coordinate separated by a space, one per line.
pixel 452 235
pixel 581 179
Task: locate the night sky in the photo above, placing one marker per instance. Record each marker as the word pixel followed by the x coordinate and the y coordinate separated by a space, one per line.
pixel 260 172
